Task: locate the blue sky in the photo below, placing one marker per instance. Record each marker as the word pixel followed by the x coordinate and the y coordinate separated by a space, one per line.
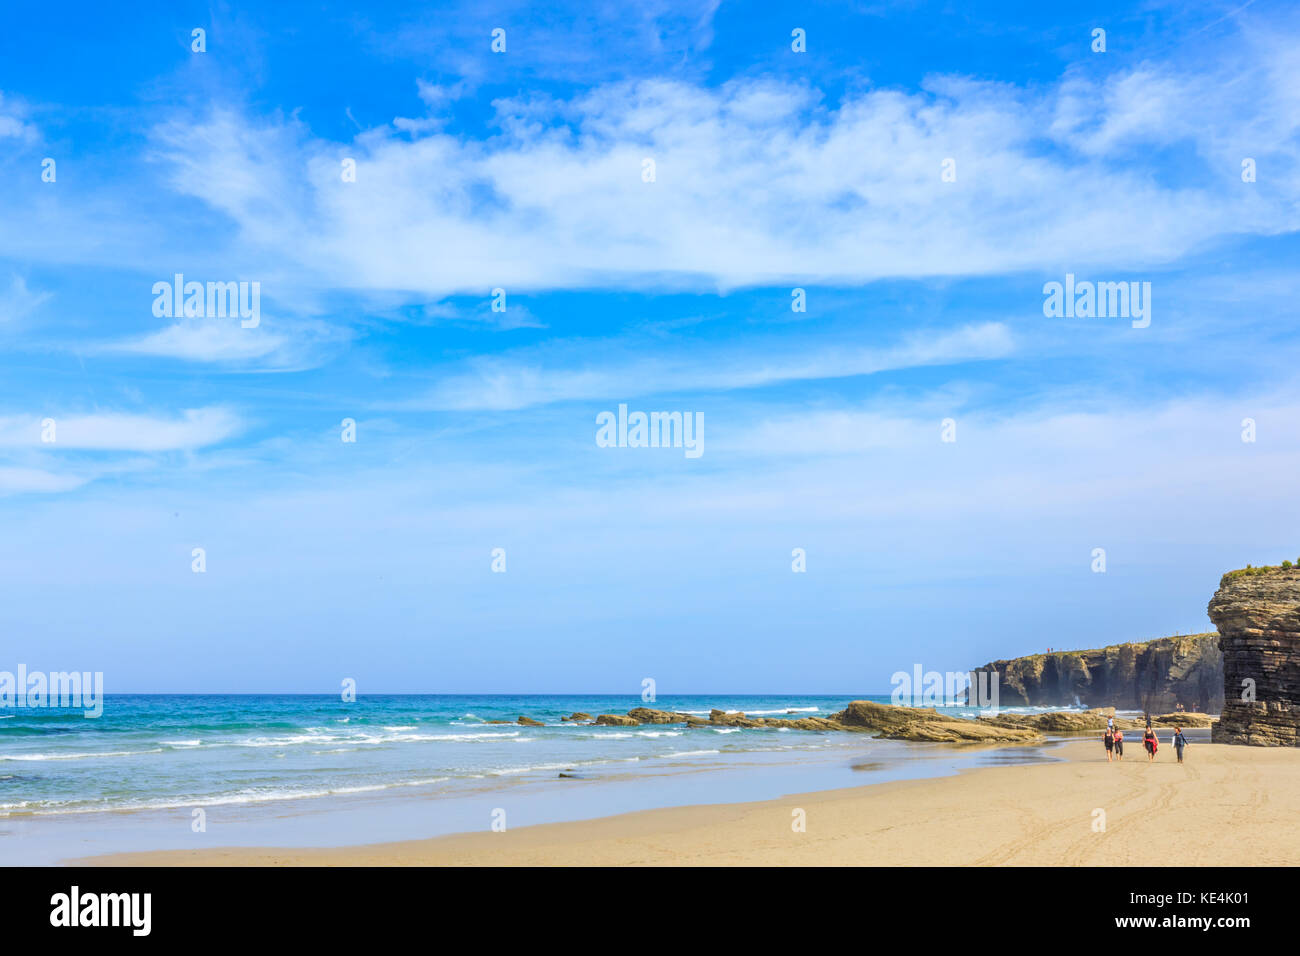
pixel 523 171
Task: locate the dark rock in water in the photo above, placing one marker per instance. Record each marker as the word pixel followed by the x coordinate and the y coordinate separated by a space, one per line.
pixel 617 720
pixel 645 715
pixel 572 776
pixel 577 715
pixel 1153 676
pixel 723 719
pixel 498 721
pixel 1257 612
pixel 529 722
pixel 808 723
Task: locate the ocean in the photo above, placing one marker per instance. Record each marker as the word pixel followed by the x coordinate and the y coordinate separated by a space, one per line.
pixel 264 768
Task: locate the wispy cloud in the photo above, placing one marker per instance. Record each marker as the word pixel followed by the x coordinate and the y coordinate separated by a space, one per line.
pixel 19 301
pixel 36 481
pixel 13 123
pixel 204 340
pixel 760 182
pixel 540 377
pixel 120 431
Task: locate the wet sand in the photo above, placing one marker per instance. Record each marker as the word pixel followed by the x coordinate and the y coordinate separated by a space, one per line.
pixel 1232 806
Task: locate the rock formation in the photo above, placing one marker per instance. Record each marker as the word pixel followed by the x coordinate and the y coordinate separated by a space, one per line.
pixel 1257 612
pixel 883 720
pixel 1185 719
pixel 1153 676
pixel 925 723
pixel 617 720
pixel 1077 721
pixel 897 723
pixel 1065 721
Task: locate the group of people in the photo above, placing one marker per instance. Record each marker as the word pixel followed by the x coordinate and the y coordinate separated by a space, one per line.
pixel 1114 740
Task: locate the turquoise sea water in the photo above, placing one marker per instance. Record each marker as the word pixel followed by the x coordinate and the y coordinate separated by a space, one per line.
pixel 167 751
pixel 312 770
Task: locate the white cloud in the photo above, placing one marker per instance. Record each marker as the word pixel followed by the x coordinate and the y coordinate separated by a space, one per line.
pixel 35 480
pixel 204 340
pixel 19 301
pixel 12 124
pixel 538 377
pixel 1179 468
pixel 757 182
pixel 117 431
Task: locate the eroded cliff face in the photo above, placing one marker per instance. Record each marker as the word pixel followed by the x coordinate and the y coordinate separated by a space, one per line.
pixel 1153 676
pixel 1257 613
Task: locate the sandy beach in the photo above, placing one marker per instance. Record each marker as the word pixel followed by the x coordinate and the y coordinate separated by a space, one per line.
pixel 1232 806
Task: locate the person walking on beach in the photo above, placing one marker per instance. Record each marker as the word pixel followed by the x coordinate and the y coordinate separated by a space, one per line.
pixel 1179 743
pixel 1150 742
pixel 1119 745
pixel 1110 743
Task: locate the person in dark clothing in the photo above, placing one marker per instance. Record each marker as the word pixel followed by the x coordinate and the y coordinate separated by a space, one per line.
pixel 1149 741
pixel 1110 743
pixel 1179 742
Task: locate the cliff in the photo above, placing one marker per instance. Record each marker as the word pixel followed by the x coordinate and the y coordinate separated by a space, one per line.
pixel 1152 676
pixel 1257 612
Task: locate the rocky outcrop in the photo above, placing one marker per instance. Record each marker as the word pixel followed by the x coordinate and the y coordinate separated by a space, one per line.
pixel 924 723
pixel 902 723
pixel 576 717
pixel 884 720
pixel 646 715
pixel 529 722
pixel 1185 719
pixel 1065 721
pixel 1153 676
pixel 1257 612
pixel 617 720
pixel 738 719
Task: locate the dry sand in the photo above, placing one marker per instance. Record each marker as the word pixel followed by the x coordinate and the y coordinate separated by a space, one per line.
pixel 1226 805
